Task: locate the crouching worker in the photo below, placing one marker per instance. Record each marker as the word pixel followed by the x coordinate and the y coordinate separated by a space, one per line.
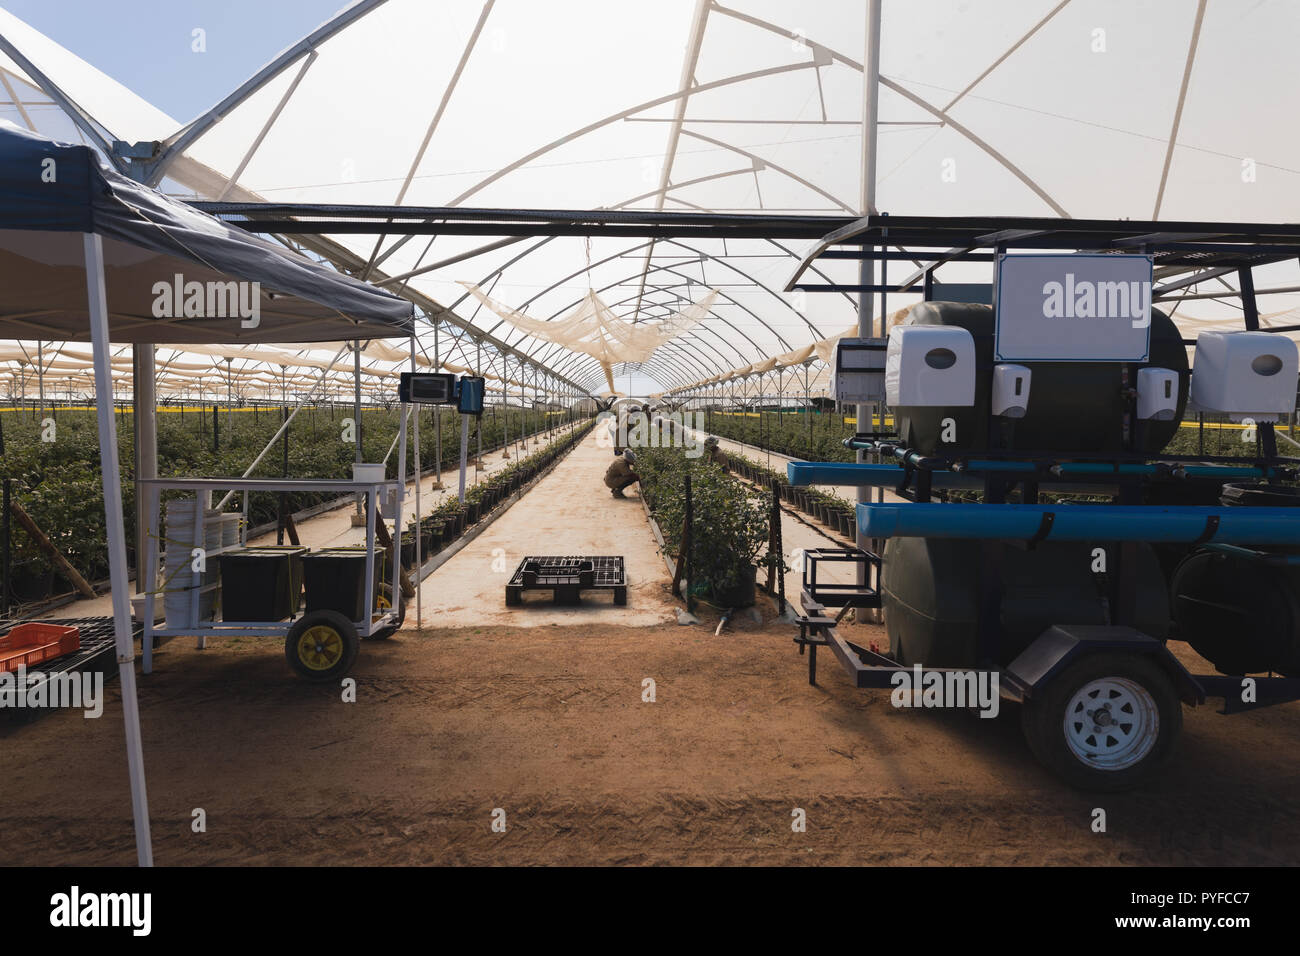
pixel 620 474
pixel 716 454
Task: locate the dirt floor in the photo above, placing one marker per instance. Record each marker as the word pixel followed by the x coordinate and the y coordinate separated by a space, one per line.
pixel 539 716
pixel 548 724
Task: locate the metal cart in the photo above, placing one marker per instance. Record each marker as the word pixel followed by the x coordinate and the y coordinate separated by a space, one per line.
pixel 319 645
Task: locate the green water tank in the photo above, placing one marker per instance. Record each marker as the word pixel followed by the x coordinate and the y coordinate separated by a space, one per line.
pixel 930 590
pixel 1074 407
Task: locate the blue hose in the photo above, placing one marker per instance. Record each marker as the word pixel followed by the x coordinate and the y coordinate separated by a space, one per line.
pixel 1182 524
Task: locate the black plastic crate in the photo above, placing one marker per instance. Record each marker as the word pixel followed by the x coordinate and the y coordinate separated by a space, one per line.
pixel 334 579
pixel 567 576
pixel 261 584
pixel 295 553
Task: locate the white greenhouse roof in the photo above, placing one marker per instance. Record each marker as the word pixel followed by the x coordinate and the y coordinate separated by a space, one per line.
pixel 1103 109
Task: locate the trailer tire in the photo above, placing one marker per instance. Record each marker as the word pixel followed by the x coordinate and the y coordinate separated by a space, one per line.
pixel 1141 719
pixel 321 646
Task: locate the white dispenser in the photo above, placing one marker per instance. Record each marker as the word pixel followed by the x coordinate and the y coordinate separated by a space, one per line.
pixel 1157 394
pixel 1011 390
pixel 930 365
pixel 1245 374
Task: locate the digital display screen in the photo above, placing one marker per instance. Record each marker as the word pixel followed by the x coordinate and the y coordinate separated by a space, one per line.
pixel 428 388
pixel 434 389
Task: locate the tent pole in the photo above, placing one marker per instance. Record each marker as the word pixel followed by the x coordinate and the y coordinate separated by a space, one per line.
pixel 116 537
pixel 356 386
pixel 478 370
pixel 396 584
pixel 146 445
pixel 40 376
pixel 418 515
pixel 867 268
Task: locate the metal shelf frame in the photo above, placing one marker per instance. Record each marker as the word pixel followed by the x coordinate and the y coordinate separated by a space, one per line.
pixel 375 492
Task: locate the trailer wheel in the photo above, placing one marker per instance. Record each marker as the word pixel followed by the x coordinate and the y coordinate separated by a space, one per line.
pixel 1105 722
pixel 321 645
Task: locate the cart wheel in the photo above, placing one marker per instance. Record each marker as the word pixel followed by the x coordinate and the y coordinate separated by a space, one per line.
pixel 1105 722
pixel 322 645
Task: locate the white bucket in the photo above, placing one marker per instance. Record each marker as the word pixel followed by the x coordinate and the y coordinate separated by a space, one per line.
pixel 179 527
pixel 364 471
pixel 230 529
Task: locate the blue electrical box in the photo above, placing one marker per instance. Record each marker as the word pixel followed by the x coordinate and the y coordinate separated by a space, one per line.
pixel 469 395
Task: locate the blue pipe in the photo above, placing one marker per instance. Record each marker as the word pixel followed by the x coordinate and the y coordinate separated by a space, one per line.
pixel 1192 471
pixel 1102 468
pixel 849 474
pixel 1174 524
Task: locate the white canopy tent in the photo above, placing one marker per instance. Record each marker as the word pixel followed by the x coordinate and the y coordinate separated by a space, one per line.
pixel 1085 108
pixel 130 237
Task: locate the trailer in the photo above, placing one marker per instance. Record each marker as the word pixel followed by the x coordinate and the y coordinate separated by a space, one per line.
pixel 1039 532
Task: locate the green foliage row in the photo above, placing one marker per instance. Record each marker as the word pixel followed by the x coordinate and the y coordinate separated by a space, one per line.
pixel 507 479
pixel 819 436
pixel 815 436
pixel 729 526
pixel 58 482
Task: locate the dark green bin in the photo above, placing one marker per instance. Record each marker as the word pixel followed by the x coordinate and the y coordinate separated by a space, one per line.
pixel 334 579
pixel 261 584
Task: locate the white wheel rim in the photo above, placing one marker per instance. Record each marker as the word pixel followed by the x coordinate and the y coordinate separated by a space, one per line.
pixel 1111 723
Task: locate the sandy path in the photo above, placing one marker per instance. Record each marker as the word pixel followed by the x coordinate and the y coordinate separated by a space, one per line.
pixel 570 511
pixel 550 726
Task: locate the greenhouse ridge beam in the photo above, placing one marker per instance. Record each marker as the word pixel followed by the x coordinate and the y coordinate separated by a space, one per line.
pixel 1198 245
pixel 1203 248
pixel 927 231
pixel 315 219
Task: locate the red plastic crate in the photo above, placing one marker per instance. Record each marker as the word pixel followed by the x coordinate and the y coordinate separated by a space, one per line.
pixel 27 645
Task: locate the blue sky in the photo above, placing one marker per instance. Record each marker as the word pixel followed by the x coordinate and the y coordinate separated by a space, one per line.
pixel 146 44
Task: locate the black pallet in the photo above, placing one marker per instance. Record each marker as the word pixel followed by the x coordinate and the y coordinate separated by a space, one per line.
pixel 97 653
pixel 567 576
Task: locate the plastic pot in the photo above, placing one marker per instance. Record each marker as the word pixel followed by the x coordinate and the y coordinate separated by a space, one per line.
pixel 742 593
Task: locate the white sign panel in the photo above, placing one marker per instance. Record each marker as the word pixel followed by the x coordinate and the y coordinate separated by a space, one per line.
pixel 1073 308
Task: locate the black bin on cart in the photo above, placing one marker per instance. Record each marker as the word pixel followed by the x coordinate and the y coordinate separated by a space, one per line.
pixel 261 584
pixel 334 579
pixel 295 553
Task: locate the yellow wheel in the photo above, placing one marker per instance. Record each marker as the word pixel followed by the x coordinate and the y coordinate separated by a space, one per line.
pixel 321 646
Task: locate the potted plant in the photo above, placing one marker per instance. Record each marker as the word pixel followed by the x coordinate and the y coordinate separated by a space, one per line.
pixel 408 548
pixel 433 527
pixel 729 524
